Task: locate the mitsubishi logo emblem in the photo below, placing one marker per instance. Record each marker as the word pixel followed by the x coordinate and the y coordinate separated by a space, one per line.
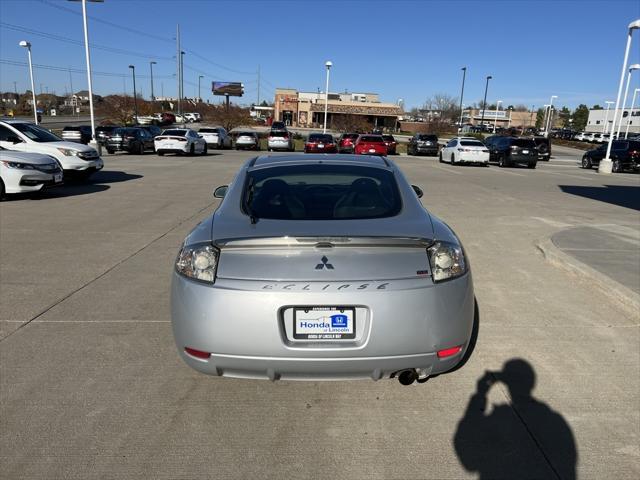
pixel 325 263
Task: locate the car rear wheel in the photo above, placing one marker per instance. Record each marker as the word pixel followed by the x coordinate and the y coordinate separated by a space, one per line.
pixel 204 150
pixel 111 151
pixel 586 162
pixel 1 189
pixel 440 160
pixel 160 153
pixel 192 150
pixel 617 166
pixel 531 165
pixel 453 158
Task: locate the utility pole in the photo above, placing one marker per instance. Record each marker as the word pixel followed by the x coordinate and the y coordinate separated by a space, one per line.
pixel 181 76
pixel 15 87
pixel 258 102
pixel 178 61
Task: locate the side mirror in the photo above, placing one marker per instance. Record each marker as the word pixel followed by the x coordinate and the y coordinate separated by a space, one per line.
pixel 221 191
pixel 13 139
pixel 418 191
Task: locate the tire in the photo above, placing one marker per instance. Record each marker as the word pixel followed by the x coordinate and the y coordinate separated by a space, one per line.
pixel 204 150
pixel 160 153
pixel 502 162
pixel 140 149
pixel 453 159
pixel 192 150
pixel 111 151
pixel 532 165
pixel 440 160
pixel 617 166
pixel 2 190
pixel 586 163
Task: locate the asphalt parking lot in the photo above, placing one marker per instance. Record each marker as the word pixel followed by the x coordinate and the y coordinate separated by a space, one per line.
pixel 91 384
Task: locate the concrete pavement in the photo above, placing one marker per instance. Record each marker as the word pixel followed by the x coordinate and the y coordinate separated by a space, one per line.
pixel 91 385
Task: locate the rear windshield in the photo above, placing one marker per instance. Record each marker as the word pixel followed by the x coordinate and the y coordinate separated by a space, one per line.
pixel 279 134
pixel 208 130
pixel 523 142
pixel 388 138
pixel 429 138
pixel 246 134
pixel 371 138
pixel 71 129
pixel 321 192
pixel 320 138
pixel 175 133
pixel 352 136
pixel 471 143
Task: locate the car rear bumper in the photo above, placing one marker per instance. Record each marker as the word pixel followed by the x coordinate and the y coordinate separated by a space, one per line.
pixel 247 330
pixel 160 147
pixel 474 158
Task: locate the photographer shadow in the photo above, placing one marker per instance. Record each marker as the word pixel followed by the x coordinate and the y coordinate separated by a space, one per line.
pixel 522 438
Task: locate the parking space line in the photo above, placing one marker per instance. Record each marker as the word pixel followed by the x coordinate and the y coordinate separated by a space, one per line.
pixel 502 170
pixel 446 169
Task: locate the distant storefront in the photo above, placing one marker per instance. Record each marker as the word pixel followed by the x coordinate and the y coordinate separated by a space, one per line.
pixel 602 120
pixel 306 109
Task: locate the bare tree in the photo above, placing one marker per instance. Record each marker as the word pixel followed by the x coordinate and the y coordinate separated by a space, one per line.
pixel 351 123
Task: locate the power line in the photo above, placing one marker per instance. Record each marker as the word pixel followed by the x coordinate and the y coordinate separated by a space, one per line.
pixel 111 24
pixel 77 70
pixel 240 72
pixel 59 38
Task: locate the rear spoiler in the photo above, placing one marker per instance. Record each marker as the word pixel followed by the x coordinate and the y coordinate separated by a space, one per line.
pixel 323 241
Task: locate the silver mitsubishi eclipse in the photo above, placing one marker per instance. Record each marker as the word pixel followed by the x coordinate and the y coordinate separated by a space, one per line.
pixel 322 267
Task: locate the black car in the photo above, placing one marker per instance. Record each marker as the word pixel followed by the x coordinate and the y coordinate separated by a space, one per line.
pixel 509 151
pixel 543 145
pixel 154 130
pixel 423 143
pixel 131 140
pixel 625 155
pixel 79 134
pixel 278 127
pixel 103 132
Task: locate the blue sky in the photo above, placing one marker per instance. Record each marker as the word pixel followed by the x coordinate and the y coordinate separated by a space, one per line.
pixel 409 50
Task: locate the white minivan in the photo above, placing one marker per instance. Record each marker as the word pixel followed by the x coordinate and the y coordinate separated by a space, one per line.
pixel 76 159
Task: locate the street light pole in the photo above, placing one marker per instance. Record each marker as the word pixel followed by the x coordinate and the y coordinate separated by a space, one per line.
pixel 151 64
pixel 633 67
pixel 484 102
pixel 509 124
pixel 464 75
pixel 135 100
pixel 606 165
pixel 88 59
pixel 200 77
pixel 495 120
pixel 633 102
pixel 549 117
pixel 606 117
pixel 328 64
pixel 27 45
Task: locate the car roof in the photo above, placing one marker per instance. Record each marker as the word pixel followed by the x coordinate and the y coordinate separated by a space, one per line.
pixel 14 121
pixel 302 159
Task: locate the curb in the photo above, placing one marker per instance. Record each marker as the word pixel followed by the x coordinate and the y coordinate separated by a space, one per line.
pixel 624 296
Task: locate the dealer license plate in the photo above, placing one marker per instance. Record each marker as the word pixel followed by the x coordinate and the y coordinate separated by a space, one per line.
pixel 320 146
pixel 324 323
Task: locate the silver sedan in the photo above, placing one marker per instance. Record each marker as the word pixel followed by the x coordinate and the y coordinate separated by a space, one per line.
pixel 318 268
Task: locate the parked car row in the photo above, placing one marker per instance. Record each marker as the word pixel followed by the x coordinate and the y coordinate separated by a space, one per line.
pixel 625 155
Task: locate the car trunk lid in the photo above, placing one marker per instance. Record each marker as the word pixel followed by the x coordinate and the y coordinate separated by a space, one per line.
pixel 324 259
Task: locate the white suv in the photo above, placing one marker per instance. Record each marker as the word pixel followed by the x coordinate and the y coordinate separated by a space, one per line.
pixel 76 159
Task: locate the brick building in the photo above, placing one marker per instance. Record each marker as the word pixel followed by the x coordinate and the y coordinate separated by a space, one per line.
pixel 306 109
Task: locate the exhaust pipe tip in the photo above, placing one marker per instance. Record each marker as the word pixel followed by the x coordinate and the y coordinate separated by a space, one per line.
pixel 407 377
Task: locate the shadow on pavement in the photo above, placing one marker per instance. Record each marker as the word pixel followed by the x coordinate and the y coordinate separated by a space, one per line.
pixel 523 438
pixel 111 176
pixel 622 195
